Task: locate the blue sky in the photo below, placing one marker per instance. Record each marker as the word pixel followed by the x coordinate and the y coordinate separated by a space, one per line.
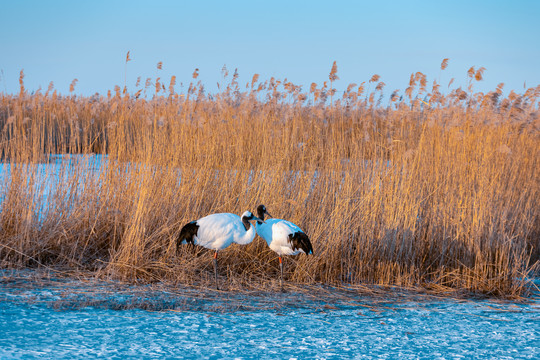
pixel 298 40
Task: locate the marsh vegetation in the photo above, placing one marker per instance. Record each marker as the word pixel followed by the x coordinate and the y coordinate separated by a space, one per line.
pixel 430 187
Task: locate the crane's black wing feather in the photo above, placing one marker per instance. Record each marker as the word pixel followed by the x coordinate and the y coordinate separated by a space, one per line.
pixel 300 240
pixel 187 233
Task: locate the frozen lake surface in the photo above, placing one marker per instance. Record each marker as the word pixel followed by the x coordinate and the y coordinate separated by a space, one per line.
pixel 59 318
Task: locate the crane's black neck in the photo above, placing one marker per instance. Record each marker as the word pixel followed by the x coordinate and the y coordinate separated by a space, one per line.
pixel 260 215
pixel 246 223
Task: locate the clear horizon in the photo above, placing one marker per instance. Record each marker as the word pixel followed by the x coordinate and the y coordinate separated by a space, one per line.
pixel 61 40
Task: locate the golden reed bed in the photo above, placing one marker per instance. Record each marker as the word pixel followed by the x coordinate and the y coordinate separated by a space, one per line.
pixel 420 188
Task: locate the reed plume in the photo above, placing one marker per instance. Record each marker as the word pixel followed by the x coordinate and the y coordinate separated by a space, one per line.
pixel 72 85
pixel 444 64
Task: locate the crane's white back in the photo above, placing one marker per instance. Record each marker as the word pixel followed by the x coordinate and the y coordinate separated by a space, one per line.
pixel 276 234
pixel 217 231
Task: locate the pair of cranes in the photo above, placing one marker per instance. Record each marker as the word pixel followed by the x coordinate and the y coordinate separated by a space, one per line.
pixel 218 231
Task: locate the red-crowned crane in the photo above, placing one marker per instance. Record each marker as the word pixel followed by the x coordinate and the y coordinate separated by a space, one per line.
pixel 282 236
pixel 217 231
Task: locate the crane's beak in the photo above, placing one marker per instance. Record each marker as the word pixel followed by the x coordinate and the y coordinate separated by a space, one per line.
pixel 258 219
pixel 267 213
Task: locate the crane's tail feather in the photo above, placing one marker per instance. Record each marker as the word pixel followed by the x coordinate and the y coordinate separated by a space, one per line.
pixel 300 240
pixel 187 234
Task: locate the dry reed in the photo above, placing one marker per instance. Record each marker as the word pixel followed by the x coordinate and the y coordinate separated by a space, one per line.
pixel 431 190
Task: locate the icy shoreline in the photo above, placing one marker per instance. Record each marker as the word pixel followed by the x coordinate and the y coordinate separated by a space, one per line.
pixel 70 318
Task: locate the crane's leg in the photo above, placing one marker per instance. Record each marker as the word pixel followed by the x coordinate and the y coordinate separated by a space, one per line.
pixel 281 270
pixel 215 269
